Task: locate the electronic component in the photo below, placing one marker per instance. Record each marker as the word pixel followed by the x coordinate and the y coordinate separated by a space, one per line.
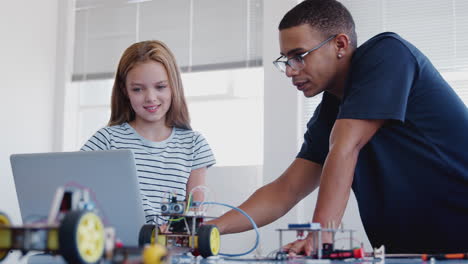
pixel 304 226
pixel 173 206
pixel 322 250
pixel 177 208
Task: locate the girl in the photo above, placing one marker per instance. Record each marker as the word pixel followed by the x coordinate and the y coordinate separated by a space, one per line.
pixel 149 116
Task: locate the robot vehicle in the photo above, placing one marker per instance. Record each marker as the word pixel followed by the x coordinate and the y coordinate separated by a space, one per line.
pixel 72 230
pixel 184 232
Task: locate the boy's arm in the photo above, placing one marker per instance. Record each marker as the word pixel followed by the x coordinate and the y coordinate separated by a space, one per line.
pixel 274 199
pixel 346 140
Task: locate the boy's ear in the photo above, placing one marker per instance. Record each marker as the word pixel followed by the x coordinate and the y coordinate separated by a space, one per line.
pixel 342 44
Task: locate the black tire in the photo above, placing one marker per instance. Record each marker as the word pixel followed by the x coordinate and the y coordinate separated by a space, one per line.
pixel 4 221
pixel 145 235
pixel 69 242
pixel 208 240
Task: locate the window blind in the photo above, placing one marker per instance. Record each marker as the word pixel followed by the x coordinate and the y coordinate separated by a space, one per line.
pixel 203 34
pixel 439 28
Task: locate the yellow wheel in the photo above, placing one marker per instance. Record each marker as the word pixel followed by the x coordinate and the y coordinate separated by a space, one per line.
pixel 208 240
pixel 81 237
pixel 154 254
pixel 5 235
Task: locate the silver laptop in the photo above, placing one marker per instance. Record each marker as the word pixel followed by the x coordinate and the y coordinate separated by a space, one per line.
pixel 111 175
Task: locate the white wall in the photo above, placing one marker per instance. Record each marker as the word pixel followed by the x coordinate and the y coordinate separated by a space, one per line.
pixel 28 31
pixel 232 185
pixel 280 108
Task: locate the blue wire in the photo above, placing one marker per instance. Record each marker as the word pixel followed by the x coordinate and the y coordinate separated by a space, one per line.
pixel 257 239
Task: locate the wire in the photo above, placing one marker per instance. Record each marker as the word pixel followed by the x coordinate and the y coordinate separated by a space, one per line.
pixel 189 200
pixel 206 191
pixel 186 209
pixel 257 239
pixel 189 203
pixel 167 195
pixel 272 254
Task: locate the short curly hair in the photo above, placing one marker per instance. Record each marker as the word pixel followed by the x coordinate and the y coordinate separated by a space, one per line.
pixel 330 17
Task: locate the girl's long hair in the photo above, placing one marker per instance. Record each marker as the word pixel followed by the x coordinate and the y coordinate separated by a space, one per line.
pixel 152 50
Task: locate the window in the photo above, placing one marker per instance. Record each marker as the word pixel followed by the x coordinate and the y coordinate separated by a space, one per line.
pixel 220 62
pixel 226 106
pixel 438 28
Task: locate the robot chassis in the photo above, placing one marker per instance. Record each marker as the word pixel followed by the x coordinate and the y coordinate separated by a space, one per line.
pixel 325 250
pixel 74 231
pixel 184 232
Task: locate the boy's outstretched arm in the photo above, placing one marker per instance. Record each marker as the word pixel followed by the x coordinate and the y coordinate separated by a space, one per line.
pixel 346 140
pixel 275 199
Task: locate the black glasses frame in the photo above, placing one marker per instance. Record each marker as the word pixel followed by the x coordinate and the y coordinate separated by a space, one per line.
pixel 299 58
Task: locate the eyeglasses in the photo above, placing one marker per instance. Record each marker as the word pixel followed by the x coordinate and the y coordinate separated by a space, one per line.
pixel 297 62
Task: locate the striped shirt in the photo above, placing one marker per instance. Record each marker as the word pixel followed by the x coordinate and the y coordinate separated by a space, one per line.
pixel 163 168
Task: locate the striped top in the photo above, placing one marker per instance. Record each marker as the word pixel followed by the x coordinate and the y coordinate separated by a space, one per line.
pixel 162 167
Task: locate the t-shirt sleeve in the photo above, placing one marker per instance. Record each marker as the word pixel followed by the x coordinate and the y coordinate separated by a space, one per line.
pixel 202 154
pixel 380 82
pixel 99 141
pixel 316 138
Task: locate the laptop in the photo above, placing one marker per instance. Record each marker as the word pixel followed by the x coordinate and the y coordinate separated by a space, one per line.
pixel 111 176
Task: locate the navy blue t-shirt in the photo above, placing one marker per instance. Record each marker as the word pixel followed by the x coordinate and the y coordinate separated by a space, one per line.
pixel 411 178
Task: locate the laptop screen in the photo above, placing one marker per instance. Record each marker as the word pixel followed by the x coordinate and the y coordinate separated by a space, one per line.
pixel 110 176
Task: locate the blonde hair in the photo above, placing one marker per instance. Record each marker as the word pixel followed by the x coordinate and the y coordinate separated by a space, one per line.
pixel 152 50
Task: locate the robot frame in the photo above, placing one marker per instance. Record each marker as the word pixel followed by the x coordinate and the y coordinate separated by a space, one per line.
pixel 73 230
pixel 185 231
pixel 322 250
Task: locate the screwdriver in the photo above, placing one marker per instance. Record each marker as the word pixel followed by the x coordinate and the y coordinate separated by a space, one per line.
pixel 444 256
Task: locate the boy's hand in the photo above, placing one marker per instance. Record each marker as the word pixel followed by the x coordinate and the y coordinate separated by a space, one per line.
pixel 300 247
pixel 305 246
